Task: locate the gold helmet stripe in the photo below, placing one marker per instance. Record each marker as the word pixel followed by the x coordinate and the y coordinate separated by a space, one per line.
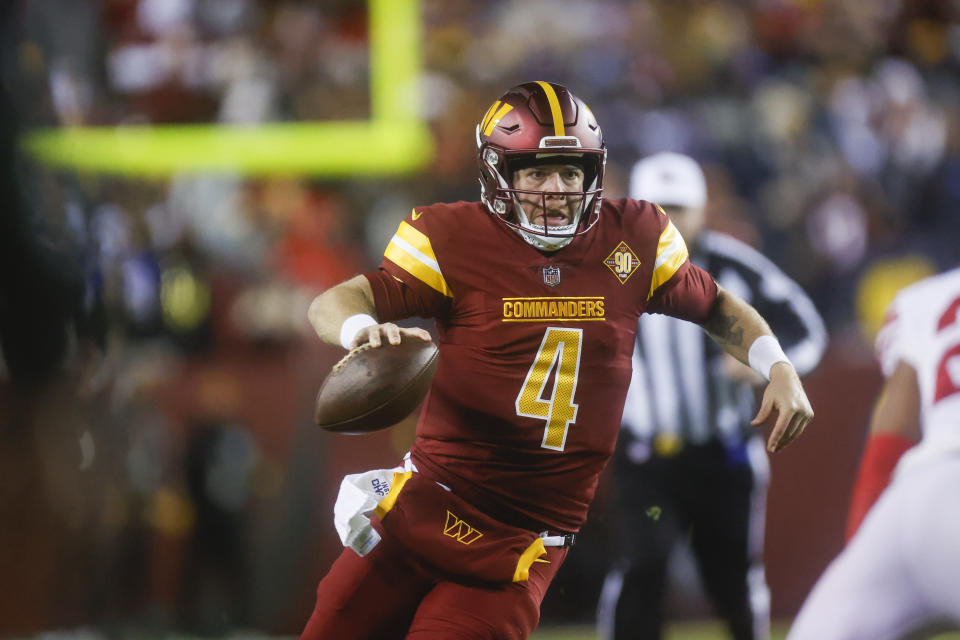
pixel 558 129
pixel 504 110
pixel 488 115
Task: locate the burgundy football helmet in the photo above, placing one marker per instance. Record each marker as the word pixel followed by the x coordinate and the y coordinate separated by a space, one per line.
pixel 539 121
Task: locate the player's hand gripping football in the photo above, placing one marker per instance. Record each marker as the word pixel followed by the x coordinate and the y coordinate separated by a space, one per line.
pixel 785 398
pixel 377 333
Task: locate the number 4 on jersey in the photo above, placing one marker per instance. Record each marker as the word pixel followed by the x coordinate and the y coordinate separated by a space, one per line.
pixel 560 353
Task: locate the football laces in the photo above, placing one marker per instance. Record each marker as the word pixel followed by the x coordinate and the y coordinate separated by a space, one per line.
pixel 343 361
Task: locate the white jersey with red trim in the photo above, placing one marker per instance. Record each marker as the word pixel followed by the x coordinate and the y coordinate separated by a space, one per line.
pixel 899 573
pixel 922 329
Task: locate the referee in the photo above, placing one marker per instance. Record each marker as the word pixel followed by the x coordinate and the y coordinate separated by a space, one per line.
pixel 689 467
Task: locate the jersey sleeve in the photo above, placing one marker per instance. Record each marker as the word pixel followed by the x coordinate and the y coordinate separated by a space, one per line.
pixel 410 281
pixel 678 287
pixel 688 294
pixel 395 300
pixel 671 254
pixel 893 340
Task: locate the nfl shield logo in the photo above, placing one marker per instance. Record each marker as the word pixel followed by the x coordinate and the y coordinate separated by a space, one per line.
pixel 551 276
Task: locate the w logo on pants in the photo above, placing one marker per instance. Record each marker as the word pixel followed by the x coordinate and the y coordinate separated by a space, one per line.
pixel 460 530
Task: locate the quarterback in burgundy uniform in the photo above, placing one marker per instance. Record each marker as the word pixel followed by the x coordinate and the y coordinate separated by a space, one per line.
pixel 497 427
pixel 536 291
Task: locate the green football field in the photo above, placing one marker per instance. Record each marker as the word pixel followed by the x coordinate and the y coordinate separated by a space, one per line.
pixel 679 631
pixel 676 631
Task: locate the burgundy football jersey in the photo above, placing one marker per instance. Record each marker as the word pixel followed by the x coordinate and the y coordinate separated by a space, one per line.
pixel 535 347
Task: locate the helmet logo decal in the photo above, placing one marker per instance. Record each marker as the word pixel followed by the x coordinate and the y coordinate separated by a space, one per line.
pixel 551 276
pixel 493 116
pixel 489 113
pixel 554 108
pixel 623 262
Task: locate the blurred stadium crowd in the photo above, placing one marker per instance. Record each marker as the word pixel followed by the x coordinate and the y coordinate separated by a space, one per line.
pixel 168 475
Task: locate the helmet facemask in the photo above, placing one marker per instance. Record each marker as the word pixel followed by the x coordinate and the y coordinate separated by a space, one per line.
pixel 497 167
pixel 540 123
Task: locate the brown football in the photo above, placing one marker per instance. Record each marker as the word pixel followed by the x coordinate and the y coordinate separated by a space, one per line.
pixel 374 388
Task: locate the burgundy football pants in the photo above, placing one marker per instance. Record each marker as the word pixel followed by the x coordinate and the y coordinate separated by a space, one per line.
pixel 389 594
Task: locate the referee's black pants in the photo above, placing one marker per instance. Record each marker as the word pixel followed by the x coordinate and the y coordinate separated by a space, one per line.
pixel 706 495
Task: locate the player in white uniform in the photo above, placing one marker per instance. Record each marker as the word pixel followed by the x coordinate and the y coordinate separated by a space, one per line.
pixel 901 570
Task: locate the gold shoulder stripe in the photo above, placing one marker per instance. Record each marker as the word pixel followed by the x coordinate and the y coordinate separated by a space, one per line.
pixel 558 129
pixel 399 479
pixel 417 239
pixel 504 110
pixel 671 253
pixel 410 249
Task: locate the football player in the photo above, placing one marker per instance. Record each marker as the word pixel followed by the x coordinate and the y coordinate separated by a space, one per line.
pixel 535 290
pixel 898 575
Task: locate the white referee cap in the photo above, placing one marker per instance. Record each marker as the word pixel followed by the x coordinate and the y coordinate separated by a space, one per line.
pixel 669 178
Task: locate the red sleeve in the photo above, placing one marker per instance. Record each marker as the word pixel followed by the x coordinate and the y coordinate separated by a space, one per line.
pixel 880 457
pixel 689 294
pixel 395 300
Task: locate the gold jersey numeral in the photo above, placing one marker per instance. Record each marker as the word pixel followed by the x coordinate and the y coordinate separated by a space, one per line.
pixel 624 262
pixel 559 352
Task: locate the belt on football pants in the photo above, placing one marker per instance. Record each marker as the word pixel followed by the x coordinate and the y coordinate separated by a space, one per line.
pixel 558 539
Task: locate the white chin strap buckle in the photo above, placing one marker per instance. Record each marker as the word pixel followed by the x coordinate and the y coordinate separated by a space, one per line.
pixel 547 243
pixel 539 236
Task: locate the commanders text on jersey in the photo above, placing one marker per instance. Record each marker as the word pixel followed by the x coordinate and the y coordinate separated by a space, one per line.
pixel 553 308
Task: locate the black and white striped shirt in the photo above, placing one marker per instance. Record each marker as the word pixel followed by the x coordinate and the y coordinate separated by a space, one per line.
pixel 679 387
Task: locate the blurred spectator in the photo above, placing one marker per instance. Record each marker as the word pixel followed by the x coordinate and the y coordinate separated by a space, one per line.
pixel 215 585
pixel 830 135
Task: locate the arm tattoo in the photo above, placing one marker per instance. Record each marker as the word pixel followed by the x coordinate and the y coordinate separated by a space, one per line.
pixel 721 327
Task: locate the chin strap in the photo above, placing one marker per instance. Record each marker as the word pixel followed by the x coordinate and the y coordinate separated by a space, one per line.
pixel 546 243
pixel 532 233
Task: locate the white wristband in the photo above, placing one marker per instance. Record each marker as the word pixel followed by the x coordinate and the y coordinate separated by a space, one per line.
pixel 352 325
pixel 764 353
